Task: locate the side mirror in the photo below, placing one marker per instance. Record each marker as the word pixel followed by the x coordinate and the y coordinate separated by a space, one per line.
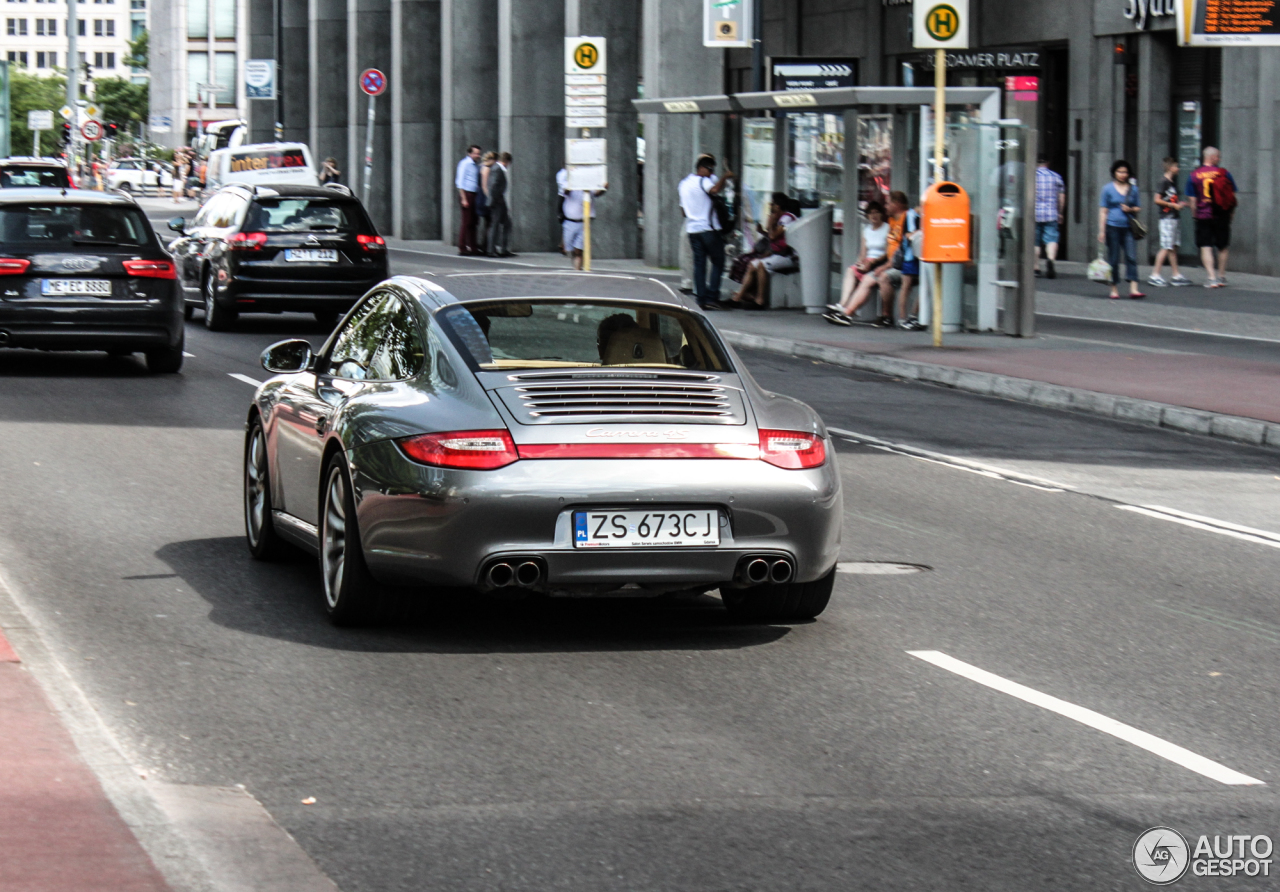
pixel 177 224
pixel 287 357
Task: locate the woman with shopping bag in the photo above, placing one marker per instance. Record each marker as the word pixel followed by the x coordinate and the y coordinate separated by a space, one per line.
pixel 1118 227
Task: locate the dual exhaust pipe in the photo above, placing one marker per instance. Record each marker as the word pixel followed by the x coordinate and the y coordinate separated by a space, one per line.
pixel 525 574
pixel 759 570
pixel 4 337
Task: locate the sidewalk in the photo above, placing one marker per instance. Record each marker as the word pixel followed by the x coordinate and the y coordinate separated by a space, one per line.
pixel 1233 398
pixel 58 831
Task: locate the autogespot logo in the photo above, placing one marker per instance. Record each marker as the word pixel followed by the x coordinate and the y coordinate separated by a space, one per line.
pixel 1161 856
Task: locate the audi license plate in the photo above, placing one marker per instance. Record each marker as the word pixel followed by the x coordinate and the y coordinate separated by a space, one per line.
pixel 646 529
pixel 94 287
pixel 311 255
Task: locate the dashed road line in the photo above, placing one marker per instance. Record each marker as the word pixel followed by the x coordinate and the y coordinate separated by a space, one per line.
pixel 245 378
pixel 1096 720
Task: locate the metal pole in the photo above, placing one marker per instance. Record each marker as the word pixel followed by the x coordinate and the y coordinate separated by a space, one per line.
pixel 757 46
pixel 939 142
pixel 35 143
pixel 368 153
pixel 279 69
pixel 73 85
pixel 586 231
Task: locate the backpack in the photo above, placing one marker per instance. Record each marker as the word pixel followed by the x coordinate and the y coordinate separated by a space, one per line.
pixel 719 210
pixel 1221 193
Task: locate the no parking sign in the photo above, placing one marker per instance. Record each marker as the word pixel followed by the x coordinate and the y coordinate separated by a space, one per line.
pixel 373 82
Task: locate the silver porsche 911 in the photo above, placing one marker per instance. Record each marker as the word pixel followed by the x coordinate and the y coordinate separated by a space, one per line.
pixel 567 434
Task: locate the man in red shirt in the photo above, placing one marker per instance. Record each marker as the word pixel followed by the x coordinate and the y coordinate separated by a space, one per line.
pixel 1212 192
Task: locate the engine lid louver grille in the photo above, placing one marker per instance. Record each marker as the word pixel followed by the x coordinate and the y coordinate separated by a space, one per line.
pixel 564 399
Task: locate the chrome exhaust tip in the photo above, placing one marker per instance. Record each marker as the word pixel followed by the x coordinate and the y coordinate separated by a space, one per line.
pixel 501 575
pixel 528 574
pixel 780 571
pixel 4 337
pixel 757 571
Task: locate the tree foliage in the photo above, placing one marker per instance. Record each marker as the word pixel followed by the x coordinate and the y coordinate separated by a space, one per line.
pixel 139 52
pixel 122 101
pixel 29 92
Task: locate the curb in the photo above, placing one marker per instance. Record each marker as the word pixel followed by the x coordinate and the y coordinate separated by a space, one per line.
pixel 1235 428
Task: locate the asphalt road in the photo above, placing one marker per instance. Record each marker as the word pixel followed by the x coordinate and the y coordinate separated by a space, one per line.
pixel 637 745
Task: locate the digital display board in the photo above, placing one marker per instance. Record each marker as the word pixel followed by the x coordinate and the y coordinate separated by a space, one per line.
pixel 1228 23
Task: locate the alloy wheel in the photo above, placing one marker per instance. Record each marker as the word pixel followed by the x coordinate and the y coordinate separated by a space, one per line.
pixel 255 486
pixel 334 540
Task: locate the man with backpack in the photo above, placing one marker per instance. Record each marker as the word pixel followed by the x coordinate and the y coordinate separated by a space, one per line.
pixel 706 221
pixel 1211 191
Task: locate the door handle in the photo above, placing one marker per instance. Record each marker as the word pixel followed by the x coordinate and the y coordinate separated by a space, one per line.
pixel 321 421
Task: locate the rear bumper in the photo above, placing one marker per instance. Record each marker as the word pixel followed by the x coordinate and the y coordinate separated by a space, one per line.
pixel 90 328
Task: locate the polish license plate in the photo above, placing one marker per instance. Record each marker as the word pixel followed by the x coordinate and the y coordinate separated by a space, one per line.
pixel 311 255
pixel 93 287
pixel 646 529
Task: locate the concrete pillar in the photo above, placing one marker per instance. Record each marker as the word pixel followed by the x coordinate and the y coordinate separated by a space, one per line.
pixel 371 20
pixel 1155 124
pixel 675 63
pixel 1239 143
pixel 415 119
pixel 168 95
pixel 615 233
pixel 327 84
pixel 293 72
pixel 1268 177
pixel 262 36
pixel 468 93
pixel 531 116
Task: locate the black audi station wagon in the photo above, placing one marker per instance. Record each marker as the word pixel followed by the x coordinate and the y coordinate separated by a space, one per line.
pixel 270 249
pixel 85 271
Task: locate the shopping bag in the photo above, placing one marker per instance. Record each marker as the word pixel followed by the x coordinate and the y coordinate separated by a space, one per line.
pixel 1099 270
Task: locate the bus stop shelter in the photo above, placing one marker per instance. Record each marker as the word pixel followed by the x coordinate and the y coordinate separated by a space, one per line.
pixel 837 148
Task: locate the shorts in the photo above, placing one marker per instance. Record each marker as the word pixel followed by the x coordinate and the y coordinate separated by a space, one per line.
pixel 571 235
pixel 778 263
pixel 1214 232
pixel 911 267
pixel 1046 233
pixel 1170 234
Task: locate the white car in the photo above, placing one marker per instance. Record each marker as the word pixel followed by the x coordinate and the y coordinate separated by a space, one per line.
pixel 139 175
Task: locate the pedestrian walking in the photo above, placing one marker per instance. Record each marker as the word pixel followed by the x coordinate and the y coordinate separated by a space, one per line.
pixel 572 213
pixel 499 211
pixel 1119 202
pixel 1051 200
pixel 467 181
pixel 1212 192
pixel 179 175
pixel 1167 199
pixel 482 203
pixel 329 172
pixel 699 194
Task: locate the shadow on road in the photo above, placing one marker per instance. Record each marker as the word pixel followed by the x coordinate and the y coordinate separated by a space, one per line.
pixel 82 364
pixel 282 600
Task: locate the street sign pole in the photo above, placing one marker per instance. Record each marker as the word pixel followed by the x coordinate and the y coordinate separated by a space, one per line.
pixel 586 109
pixel 367 182
pixel 939 143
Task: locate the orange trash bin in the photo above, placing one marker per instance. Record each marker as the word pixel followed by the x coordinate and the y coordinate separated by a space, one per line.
pixel 946 224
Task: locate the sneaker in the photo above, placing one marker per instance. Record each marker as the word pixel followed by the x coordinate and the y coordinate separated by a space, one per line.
pixel 1157 281
pixel 1179 280
pixel 883 322
pixel 915 325
pixel 1222 283
pixel 1211 283
pixel 1050 272
pixel 838 319
pixel 834 308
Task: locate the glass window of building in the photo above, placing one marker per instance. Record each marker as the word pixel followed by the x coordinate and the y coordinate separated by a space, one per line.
pixel 225 71
pixel 224 19
pixel 198 19
pixel 197 73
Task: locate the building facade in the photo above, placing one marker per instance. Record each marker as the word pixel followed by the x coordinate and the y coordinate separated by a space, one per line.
pixel 198 49
pixel 35 34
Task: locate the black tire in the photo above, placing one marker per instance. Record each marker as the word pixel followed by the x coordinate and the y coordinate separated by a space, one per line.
pixel 216 316
pixel 259 527
pixel 327 318
pixel 165 360
pixel 126 188
pixel 188 311
pixel 351 595
pixel 786 602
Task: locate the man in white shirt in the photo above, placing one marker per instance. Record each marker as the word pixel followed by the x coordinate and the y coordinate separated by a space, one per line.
pixel 703 228
pixel 572 206
pixel 467 181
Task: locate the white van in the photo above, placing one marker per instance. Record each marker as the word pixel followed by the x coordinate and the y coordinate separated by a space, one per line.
pixel 262 164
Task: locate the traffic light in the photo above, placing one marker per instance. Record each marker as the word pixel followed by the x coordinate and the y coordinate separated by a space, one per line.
pixel 112 130
pixel 66 134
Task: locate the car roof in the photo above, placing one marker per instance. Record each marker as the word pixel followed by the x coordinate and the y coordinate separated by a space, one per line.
pixel 51 195
pixel 28 159
pixel 288 190
pixel 469 287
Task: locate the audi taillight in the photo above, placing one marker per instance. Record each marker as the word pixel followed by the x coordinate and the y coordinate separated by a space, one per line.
pixel 151 269
pixel 12 266
pixel 247 241
pixel 474 450
pixel 792 449
pixel 372 242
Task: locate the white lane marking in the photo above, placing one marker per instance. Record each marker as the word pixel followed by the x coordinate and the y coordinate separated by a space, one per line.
pixel 962 464
pixel 1265 534
pixel 1095 720
pixel 1259 537
pixel 1190 331
pixel 245 378
pixel 877 568
pixel 188 355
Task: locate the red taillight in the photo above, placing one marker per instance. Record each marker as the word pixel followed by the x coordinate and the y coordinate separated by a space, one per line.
pixel 151 269
pixel 792 449
pixel 639 450
pixel 372 242
pixel 247 241
pixel 476 450
pixel 12 266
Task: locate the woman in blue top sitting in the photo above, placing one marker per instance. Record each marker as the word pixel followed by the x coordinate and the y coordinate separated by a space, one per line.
pixel 1120 198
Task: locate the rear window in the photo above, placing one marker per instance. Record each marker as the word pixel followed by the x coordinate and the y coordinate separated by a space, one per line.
pixel 302 215
pixel 542 333
pixel 22 176
pixel 63 226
